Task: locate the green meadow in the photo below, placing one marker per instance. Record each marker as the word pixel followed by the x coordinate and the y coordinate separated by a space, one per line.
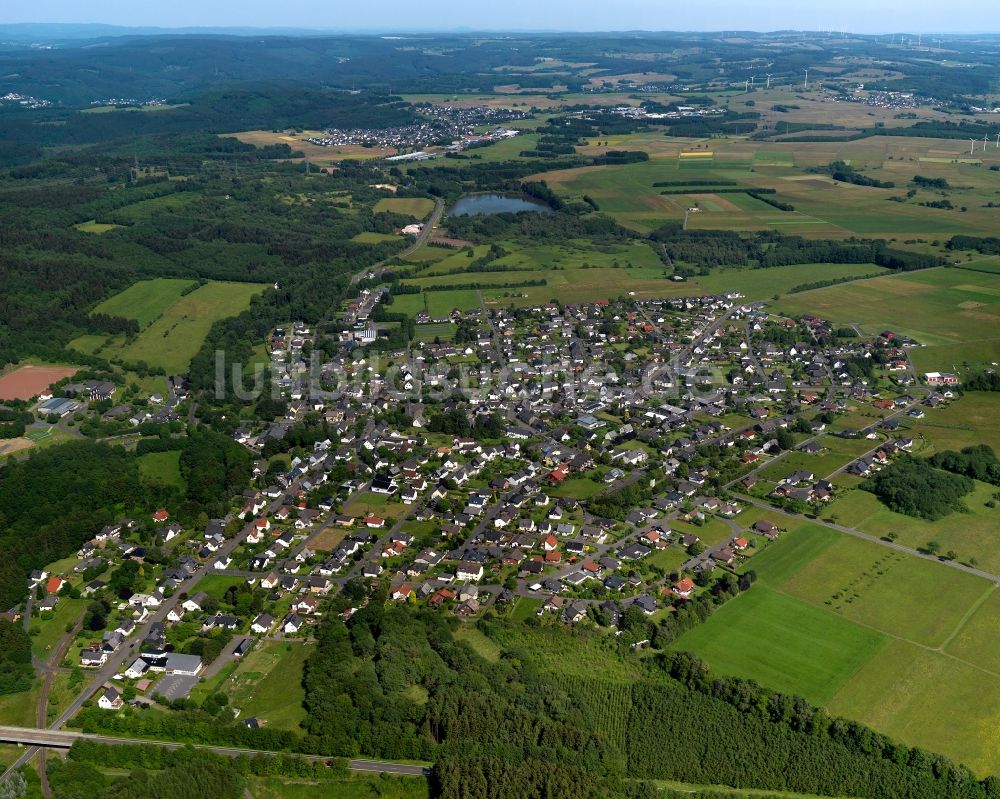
pixel 889 639
pixel 175 334
pixel 146 300
pixel 954 312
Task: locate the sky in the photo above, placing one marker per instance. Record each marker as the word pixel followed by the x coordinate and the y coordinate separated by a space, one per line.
pixel 863 16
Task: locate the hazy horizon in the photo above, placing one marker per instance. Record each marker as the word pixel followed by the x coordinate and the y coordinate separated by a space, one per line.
pixel 394 16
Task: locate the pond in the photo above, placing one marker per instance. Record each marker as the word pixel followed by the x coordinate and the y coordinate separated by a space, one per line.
pixel 478 204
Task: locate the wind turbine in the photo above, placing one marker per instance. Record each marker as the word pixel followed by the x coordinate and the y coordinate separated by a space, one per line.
pixel 998 141
pixel 985 136
pixel 769 81
pixel 972 146
pixel 806 84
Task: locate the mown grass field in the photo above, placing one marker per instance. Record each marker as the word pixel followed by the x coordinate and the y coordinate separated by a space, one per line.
pixel 374 238
pixel 411 206
pixel 67 611
pixel 146 300
pixel 92 226
pixel 900 643
pixel 783 642
pixel 177 330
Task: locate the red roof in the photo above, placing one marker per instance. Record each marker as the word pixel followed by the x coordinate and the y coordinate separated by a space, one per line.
pixel 374 520
pixel 53 584
pixel 161 515
pixel 684 586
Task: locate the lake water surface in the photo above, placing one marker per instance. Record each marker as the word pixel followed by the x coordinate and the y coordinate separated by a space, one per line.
pixel 477 204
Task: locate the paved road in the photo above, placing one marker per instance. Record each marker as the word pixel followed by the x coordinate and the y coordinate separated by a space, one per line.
pixel 63 739
pixel 225 656
pixel 954 564
pixel 432 221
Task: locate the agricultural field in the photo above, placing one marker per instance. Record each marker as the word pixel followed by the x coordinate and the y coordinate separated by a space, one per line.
pixel 439 304
pixel 174 336
pixel 822 207
pixel 757 284
pixel 146 300
pixel 953 312
pixel 870 633
pixel 418 207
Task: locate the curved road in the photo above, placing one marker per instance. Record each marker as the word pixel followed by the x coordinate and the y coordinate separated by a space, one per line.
pixel 376 269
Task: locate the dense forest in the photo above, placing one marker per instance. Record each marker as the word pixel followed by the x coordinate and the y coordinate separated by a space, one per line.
pixel 57 499
pixel 16 672
pixel 916 488
pixel 707 248
pixel 60 497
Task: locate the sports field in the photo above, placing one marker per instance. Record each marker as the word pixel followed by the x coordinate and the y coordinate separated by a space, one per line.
pixel 870 633
pixel 28 381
